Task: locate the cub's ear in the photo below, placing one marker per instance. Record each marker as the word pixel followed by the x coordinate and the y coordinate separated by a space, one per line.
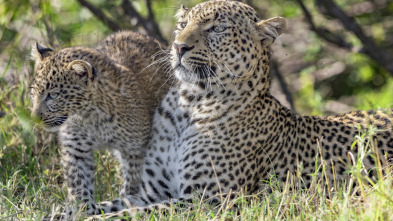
pixel 269 30
pixel 40 52
pixel 181 12
pixel 82 68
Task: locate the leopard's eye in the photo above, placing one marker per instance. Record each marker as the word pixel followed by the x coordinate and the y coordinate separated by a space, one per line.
pixel 53 95
pixel 181 25
pixel 219 29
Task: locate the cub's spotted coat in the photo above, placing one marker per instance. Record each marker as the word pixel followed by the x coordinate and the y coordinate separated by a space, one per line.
pixel 99 98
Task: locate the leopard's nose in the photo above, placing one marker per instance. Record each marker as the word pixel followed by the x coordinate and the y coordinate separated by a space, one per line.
pixel 181 49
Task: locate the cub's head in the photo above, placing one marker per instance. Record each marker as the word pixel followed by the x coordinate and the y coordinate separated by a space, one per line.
pixel 219 42
pixel 60 82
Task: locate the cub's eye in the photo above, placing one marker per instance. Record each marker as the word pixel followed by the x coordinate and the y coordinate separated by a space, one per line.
pixel 181 25
pixel 219 29
pixel 53 95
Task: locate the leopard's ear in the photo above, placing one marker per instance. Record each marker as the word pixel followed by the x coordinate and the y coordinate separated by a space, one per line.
pixel 40 52
pixel 269 30
pixel 83 69
pixel 181 12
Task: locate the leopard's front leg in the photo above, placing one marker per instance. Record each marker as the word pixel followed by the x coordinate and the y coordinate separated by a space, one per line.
pixel 78 167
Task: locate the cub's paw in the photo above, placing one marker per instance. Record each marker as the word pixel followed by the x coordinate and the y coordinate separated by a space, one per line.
pixel 56 217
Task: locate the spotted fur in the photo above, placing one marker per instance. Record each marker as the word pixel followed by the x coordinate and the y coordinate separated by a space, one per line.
pixel 99 98
pixel 220 131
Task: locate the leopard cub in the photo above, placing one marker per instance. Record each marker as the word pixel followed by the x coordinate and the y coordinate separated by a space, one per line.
pixel 99 98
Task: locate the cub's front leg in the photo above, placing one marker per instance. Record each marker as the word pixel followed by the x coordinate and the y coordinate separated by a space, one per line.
pixel 131 163
pixel 77 147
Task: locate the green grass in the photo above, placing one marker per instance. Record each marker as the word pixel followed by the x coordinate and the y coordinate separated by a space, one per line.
pixel 31 182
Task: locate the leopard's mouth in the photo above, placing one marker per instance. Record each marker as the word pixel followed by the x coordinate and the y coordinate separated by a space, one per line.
pixel 198 72
pixel 54 124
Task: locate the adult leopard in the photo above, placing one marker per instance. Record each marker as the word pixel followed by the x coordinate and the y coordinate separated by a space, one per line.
pixel 96 99
pixel 220 131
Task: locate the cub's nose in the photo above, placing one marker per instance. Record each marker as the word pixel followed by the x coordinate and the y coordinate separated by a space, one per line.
pixel 181 49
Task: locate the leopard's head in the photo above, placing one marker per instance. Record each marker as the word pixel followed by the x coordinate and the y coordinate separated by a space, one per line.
pixel 59 86
pixel 221 42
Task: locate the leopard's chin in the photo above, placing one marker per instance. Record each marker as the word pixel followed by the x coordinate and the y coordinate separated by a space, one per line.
pixel 51 129
pixel 184 74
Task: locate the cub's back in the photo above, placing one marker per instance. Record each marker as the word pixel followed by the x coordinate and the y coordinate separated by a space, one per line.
pixel 141 55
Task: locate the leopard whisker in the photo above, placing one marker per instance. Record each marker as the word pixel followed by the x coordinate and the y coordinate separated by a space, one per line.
pixel 169 67
pixel 162 51
pixel 218 79
pixel 209 73
pixel 229 71
pixel 215 82
pixel 206 74
pixel 193 68
pixel 209 83
pixel 160 60
pixel 165 65
pixel 214 74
